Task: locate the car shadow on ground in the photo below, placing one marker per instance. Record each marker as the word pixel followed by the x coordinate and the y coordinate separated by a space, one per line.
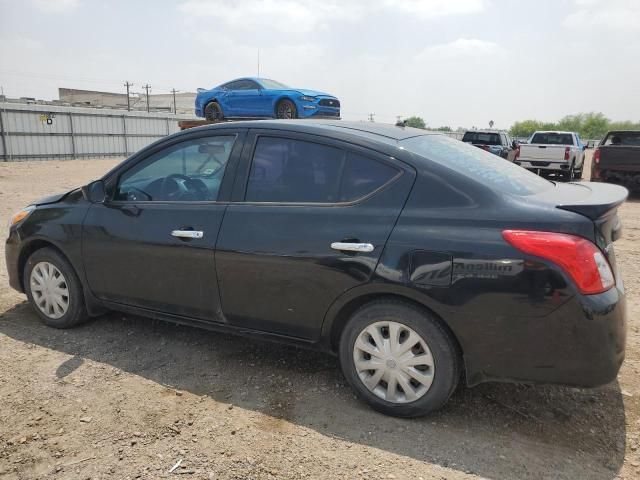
pixel 499 431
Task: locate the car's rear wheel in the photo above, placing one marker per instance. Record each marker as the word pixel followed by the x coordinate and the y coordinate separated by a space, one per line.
pixel 286 109
pixel 213 112
pixel 399 358
pixel 569 176
pixel 53 289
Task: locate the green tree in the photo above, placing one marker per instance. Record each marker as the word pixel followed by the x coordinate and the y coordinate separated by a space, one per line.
pixel 443 129
pixel 416 122
pixel 525 128
pixel 595 125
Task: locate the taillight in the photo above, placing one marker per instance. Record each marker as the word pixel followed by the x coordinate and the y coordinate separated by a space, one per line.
pixel 577 256
pixel 567 152
pixel 595 171
pixel 596 156
pixel 517 153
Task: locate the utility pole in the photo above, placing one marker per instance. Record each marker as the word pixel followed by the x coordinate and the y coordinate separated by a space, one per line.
pixel 127 84
pixel 371 115
pixel 147 87
pixel 175 108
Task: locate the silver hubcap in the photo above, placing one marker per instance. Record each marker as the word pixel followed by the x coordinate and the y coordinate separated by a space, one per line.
pixel 49 290
pixel 393 362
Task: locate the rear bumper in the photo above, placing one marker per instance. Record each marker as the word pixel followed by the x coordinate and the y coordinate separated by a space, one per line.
pixel 582 343
pixel 535 165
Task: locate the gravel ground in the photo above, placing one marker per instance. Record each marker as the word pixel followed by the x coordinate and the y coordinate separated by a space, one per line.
pixel 126 397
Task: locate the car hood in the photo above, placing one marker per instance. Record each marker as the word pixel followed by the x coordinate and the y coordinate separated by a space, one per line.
pixel 313 93
pixel 52 198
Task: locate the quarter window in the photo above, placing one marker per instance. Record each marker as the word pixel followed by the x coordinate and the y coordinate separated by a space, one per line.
pixel 189 171
pixel 294 171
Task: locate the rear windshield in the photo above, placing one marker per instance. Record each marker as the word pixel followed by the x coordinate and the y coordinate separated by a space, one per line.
pixel 484 138
pixel 493 171
pixel 552 139
pixel 631 139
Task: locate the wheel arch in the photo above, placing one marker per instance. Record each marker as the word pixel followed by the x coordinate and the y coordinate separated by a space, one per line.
pixel 32 247
pixel 342 309
pixel 280 99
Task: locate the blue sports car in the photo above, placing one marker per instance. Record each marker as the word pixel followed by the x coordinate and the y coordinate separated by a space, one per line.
pixel 264 98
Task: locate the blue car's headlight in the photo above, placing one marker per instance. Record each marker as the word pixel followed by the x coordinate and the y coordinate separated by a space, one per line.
pixel 305 98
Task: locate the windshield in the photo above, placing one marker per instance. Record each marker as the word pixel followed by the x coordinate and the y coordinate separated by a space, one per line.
pixel 266 83
pixel 490 170
pixel 480 137
pixel 552 139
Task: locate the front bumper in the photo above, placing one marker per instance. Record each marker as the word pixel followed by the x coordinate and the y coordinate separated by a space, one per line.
pixel 12 254
pixel 582 343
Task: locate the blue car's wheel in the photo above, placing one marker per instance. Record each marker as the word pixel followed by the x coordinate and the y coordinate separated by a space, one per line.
pixel 286 109
pixel 213 112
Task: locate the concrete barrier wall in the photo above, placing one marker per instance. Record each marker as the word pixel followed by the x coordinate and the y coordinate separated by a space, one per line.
pixel 43 132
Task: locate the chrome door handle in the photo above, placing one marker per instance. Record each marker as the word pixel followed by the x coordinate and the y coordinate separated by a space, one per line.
pixel 187 233
pixel 352 247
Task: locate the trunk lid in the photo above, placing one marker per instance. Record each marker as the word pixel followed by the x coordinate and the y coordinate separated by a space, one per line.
pixel 544 153
pixel 597 201
pixel 622 158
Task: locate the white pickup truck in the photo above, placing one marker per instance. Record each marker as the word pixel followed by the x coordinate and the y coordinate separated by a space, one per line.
pixel 553 153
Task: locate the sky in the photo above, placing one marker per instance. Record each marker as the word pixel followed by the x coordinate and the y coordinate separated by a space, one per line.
pixel 458 63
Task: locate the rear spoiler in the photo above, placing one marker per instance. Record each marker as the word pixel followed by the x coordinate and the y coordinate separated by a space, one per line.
pixel 603 198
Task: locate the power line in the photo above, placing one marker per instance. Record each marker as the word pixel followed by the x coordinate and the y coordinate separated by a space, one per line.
pixel 175 107
pixel 127 84
pixel 147 87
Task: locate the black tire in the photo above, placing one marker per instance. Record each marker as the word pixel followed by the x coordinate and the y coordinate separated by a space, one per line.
pixel 286 109
pixel 571 174
pixel 76 311
pixel 577 174
pixel 213 112
pixel 443 347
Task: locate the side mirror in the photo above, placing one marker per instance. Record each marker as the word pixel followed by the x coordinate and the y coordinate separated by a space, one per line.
pixel 514 144
pixel 94 192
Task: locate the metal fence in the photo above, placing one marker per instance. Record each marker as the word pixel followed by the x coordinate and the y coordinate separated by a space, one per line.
pixel 33 132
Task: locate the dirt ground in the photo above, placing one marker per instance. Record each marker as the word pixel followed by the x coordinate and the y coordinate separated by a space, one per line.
pixel 126 397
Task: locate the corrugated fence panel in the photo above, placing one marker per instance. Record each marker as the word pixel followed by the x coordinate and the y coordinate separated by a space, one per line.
pixel 48 132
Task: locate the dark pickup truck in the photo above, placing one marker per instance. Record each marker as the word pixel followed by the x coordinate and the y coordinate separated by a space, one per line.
pixel 617 159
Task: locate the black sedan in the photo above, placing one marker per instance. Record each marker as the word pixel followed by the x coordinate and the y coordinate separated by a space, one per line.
pixel 417 259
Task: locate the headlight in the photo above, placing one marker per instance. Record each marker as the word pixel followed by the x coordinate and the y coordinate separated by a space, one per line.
pixel 21 215
pixel 304 98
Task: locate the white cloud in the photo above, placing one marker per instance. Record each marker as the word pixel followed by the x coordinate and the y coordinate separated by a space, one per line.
pixel 56 5
pixel 284 15
pixel 302 16
pixel 462 47
pixel 610 15
pixel 436 8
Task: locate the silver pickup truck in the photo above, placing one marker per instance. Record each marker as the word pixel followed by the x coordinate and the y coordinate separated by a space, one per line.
pixel 553 153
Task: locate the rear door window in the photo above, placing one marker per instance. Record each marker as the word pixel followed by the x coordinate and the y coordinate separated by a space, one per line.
pixel 294 171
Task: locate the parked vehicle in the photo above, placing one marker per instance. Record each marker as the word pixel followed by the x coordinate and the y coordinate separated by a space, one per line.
pixel 553 153
pixel 496 142
pixel 617 159
pixel 412 256
pixel 264 98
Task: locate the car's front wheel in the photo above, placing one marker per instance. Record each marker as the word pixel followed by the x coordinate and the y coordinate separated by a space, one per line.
pixel 53 289
pixel 399 358
pixel 213 112
pixel 286 109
